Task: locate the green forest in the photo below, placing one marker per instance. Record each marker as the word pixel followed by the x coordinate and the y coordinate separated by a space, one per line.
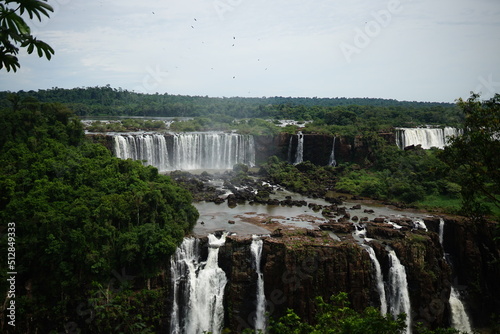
pixel 364 112
pixel 93 232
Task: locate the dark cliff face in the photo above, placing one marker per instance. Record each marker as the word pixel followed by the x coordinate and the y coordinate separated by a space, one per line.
pixel 475 256
pixel 301 265
pixel 298 269
pixel 317 148
pixel 428 275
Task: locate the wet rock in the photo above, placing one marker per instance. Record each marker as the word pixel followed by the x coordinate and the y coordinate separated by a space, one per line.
pixel 337 227
pixel 277 233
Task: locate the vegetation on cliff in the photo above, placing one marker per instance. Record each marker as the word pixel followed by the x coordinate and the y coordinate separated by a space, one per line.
pixel 474 157
pixel 337 317
pixel 89 227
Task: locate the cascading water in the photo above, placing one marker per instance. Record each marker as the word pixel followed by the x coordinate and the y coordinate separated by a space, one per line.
pixel 299 155
pixel 212 150
pixel 379 278
pixel 332 161
pixel 208 150
pixel 459 318
pixel 290 149
pixel 198 288
pixel 260 320
pixel 399 298
pixel 441 230
pixel 149 147
pixel 426 137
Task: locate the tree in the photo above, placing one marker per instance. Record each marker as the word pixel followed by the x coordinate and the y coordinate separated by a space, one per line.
pixel 15 32
pixel 474 156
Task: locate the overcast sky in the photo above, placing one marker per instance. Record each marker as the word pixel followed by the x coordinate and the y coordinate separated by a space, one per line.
pixel 423 50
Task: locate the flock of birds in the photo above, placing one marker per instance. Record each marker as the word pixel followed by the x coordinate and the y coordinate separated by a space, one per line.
pixel 233 45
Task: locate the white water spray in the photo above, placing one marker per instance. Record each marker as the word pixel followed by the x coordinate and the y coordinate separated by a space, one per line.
pixel 201 150
pixel 379 278
pixel 332 161
pixel 399 298
pixel 256 249
pixel 299 155
pixel 459 318
pixel 198 288
pixel 426 137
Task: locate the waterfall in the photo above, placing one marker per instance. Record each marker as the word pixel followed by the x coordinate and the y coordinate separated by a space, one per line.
pixel 290 149
pixel 441 230
pixel 332 161
pixel 260 320
pixel 380 280
pixel 426 137
pixel 198 288
pixel 299 155
pixel 459 318
pixel 152 148
pixel 208 150
pixel 399 298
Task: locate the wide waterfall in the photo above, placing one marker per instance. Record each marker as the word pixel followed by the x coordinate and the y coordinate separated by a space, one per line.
pixel 379 278
pixel 198 288
pixel 459 318
pixel 426 137
pixel 399 297
pixel 332 161
pixel 260 319
pixel 187 151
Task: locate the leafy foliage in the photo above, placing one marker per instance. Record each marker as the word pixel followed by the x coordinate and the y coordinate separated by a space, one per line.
pixel 474 157
pixel 332 113
pixel 336 317
pixel 304 178
pixel 80 216
pixel 15 32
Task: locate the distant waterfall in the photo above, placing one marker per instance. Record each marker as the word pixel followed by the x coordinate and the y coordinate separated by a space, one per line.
pixel 426 137
pixel 260 320
pixel 299 155
pixel 459 318
pixel 290 149
pixel 441 231
pixel 152 148
pixel 332 161
pixel 187 151
pixel 379 278
pixel 399 298
pixel 198 288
